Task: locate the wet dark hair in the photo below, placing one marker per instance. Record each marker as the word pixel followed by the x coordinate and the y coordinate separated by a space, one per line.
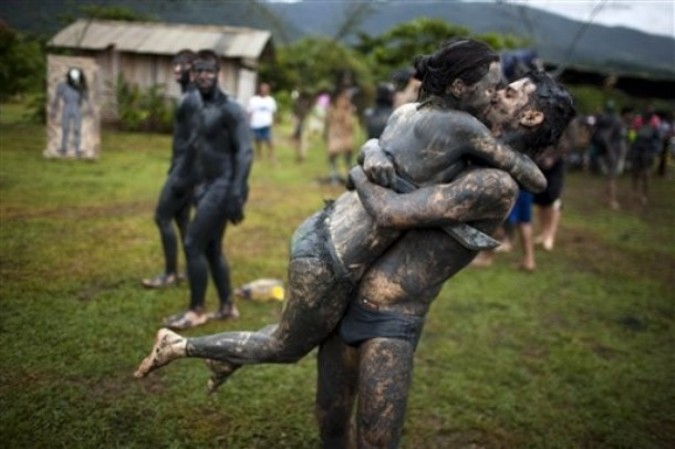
pixel 183 57
pixel 208 55
pixel 459 58
pixel 556 103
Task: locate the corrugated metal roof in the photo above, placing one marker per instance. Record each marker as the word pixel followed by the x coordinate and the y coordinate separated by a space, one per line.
pixel 162 38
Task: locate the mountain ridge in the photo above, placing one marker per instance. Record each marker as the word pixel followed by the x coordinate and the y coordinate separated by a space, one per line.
pixel 617 50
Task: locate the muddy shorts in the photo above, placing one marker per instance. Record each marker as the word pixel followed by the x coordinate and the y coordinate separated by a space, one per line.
pixel 362 323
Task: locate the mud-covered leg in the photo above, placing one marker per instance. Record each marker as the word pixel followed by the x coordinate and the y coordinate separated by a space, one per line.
pixel 315 305
pixel 168 346
pixel 221 370
pixel 385 375
pixel 336 390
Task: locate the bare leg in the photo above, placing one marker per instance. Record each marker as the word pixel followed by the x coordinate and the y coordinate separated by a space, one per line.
pixel 612 195
pixel 550 218
pixel 645 187
pixel 527 242
pixel 316 303
pixel 336 393
pixel 270 148
pixel 222 370
pixel 554 211
pixel 334 175
pixel 542 218
pixel 169 346
pixel 384 382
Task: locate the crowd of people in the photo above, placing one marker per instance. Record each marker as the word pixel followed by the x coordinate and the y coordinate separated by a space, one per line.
pixel 635 142
pixel 438 175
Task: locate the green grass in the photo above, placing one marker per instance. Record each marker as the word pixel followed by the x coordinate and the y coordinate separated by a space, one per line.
pixel 579 354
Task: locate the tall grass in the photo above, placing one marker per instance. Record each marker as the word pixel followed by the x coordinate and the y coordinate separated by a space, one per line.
pixel 579 354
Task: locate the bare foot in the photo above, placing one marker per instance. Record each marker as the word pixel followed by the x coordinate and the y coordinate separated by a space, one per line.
pixel 220 372
pixel 169 346
pixel 528 267
pixel 482 260
pixel 547 244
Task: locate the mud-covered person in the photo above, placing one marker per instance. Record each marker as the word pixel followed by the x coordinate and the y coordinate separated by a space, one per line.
pixel 173 207
pixel 220 151
pixel 384 321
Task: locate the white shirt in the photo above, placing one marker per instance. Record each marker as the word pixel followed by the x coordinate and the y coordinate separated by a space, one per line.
pixel 261 111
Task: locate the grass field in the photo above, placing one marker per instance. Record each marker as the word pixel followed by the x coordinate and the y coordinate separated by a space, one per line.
pixel 579 354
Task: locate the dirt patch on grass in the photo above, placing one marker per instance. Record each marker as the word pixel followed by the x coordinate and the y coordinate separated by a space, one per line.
pixel 589 252
pixel 81 212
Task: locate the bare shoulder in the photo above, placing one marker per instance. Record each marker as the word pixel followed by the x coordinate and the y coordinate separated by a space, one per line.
pixel 450 121
pixel 403 112
pixel 400 121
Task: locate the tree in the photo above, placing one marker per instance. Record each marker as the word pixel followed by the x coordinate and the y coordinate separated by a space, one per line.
pixel 22 65
pixel 397 47
pixel 312 64
pixel 99 12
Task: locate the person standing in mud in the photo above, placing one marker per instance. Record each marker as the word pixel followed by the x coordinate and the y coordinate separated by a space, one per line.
pixel 339 132
pixel 262 110
pixel 219 150
pixel 173 207
pixel 607 138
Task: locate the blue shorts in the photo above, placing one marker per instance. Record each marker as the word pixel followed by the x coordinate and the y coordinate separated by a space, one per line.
pixel 262 133
pixel 522 210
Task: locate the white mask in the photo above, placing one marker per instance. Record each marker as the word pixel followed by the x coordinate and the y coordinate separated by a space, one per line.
pixel 74 75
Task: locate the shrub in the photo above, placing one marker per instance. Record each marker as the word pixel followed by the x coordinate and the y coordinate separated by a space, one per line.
pixel 143 110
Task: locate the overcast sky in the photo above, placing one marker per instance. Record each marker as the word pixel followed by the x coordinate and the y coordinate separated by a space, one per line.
pixel 650 16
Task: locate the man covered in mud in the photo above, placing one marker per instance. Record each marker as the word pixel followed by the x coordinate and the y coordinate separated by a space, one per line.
pixel 383 324
pixel 219 151
pixel 176 196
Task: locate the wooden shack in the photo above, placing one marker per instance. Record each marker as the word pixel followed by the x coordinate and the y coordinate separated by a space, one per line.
pixel 141 52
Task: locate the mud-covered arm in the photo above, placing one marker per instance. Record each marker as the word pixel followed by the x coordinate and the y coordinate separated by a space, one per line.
pixel 476 195
pixel 185 128
pixel 375 160
pixel 376 163
pixel 379 167
pixel 243 151
pixel 498 155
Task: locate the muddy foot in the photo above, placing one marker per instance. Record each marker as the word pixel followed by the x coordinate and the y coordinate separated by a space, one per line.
pixel 168 347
